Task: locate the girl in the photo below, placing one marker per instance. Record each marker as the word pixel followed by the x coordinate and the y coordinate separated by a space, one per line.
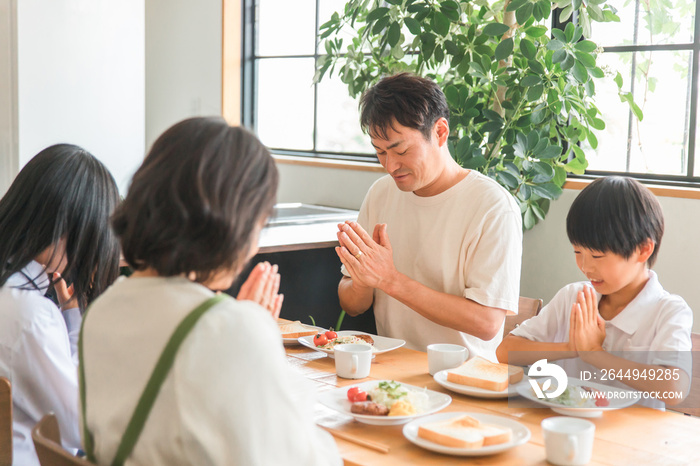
pixel 172 373
pixel 53 223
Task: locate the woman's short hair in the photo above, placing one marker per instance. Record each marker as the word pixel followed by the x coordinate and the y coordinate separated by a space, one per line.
pixel 196 200
pixel 616 214
pixel 410 100
pixel 62 193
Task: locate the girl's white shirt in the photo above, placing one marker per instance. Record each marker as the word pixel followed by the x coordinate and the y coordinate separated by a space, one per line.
pixel 38 354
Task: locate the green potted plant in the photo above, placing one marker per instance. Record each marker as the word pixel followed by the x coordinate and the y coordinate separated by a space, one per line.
pixel 520 92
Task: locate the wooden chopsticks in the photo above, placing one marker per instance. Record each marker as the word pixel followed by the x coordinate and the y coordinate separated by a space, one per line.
pixel 380 447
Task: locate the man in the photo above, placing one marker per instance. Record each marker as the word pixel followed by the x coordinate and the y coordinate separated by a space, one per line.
pixel 442 264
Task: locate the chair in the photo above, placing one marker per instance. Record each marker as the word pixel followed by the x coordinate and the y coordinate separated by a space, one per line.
pixel 527 307
pixel 5 422
pixel 691 405
pixel 47 441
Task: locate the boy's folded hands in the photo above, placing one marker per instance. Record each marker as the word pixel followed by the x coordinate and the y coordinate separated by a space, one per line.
pixel 587 327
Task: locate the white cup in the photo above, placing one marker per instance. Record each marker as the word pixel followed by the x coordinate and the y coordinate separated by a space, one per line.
pixel 352 361
pixel 568 441
pixel 443 356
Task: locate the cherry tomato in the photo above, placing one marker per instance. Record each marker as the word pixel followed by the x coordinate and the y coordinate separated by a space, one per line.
pixel 331 334
pixel 320 340
pixel 360 396
pixel 352 392
pixel 602 402
pixel 355 394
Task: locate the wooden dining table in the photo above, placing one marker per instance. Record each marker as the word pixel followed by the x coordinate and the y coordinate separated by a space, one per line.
pixel 634 435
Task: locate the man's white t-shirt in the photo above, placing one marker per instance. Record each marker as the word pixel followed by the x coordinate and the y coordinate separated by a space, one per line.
pixel 465 241
pixel 654 328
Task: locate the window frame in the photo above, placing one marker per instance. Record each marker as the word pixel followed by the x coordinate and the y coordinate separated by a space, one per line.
pixel 248 100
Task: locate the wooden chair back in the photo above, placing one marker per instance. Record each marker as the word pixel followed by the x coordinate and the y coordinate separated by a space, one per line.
pixel 527 307
pixel 5 422
pixel 691 405
pixel 47 441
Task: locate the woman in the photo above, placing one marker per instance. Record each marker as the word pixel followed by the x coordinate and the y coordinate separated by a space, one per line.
pixel 54 222
pixel 188 225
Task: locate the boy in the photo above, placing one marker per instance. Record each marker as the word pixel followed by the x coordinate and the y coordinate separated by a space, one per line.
pixel 615 226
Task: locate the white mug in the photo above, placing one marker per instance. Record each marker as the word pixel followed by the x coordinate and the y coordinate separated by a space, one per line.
pixel 568 441
pixel 352 361
pixel 443 356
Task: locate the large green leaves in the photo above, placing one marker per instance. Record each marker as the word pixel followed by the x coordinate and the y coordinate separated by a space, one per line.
pixel 519 94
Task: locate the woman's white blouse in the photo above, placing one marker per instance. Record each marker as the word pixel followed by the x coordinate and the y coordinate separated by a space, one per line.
pixel 38 353
pixel 230 398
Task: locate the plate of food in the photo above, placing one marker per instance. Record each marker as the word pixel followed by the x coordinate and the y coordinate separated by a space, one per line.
pixel 466 434
pixel 582 398
pixel 291 331
pixel 481 378
pixel 320 342
pixel 384 402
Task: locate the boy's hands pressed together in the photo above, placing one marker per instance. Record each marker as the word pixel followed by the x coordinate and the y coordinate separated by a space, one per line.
pixel 588 326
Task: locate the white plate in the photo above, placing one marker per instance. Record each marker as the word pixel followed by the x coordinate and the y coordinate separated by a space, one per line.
pixel 441 378
pixel 381 344
pixel 616 402
pixel 338 400
pixel 521 434
pixel 295 341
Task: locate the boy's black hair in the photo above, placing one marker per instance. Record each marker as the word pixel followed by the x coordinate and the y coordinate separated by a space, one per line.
pixel 616 214
pixel 62 193
pixel 413 101
pixel 196 200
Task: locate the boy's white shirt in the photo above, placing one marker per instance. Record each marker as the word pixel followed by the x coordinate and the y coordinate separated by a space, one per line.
pixel 654 321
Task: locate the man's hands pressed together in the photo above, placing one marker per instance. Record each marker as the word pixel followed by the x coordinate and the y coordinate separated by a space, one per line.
pixel 369 260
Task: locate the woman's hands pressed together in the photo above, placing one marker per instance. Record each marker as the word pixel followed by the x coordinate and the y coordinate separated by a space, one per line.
pixel 262 287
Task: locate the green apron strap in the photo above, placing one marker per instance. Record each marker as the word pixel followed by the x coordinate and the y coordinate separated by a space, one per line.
pixel 148 397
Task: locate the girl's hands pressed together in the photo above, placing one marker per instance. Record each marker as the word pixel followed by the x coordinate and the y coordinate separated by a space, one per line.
pixel 64 293
pixel 262 287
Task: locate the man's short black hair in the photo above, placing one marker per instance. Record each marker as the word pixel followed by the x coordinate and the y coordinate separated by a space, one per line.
pixel 410 100
pixel 196 200
pixel 616 214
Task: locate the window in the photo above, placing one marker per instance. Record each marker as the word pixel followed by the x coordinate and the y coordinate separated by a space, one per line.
pixel 289 114
pixel 655 48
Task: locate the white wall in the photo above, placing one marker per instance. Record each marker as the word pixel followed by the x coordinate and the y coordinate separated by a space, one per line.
pixel 183 62
pixel 324 186
pixel 548 259
pixel 80 75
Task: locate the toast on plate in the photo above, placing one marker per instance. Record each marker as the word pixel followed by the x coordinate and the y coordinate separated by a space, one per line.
pixel 296 329
pixel 464 432
pixel 481 373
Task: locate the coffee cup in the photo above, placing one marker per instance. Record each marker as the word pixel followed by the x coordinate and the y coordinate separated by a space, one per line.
pixel 443 356
pixel 352 361
pixel 568 441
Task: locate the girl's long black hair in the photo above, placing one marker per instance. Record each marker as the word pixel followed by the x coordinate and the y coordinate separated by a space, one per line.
pixel 63 192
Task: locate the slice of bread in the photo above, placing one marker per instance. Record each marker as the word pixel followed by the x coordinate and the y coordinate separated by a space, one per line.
pixel 296 329
pixel 452 433
pixel 481 373
pixel 493 435
pixel 464 432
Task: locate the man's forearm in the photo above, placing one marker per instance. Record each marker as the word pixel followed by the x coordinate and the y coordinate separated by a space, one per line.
pixel 445 309
pixel 354 299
